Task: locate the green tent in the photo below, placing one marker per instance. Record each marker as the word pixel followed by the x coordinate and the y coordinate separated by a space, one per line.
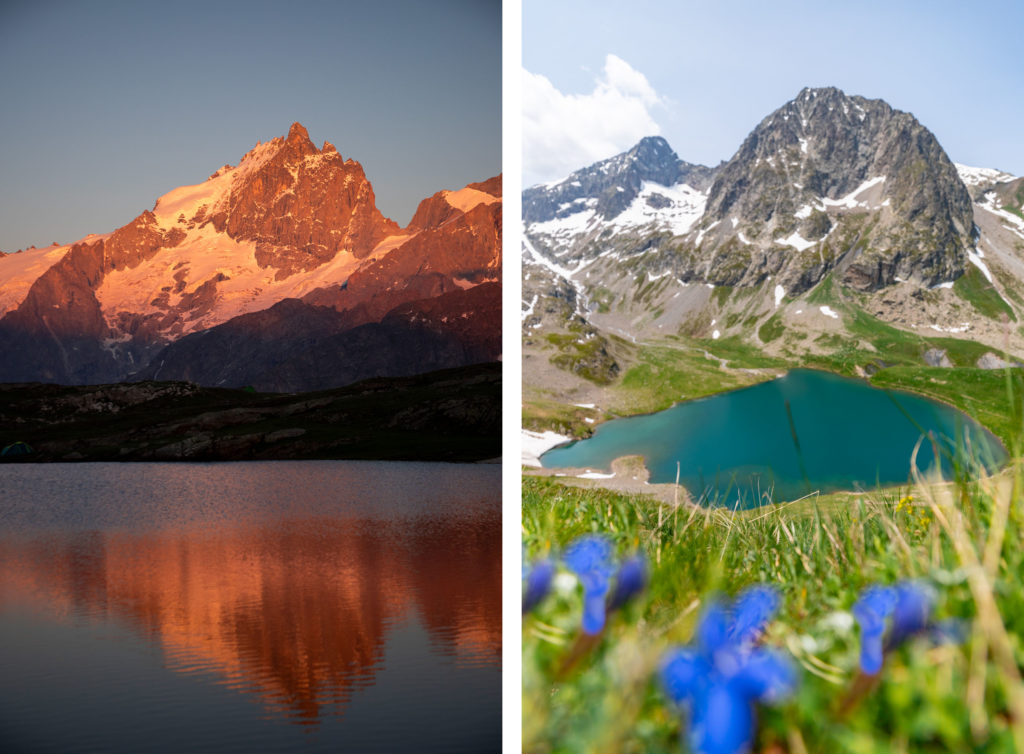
pixel 17 449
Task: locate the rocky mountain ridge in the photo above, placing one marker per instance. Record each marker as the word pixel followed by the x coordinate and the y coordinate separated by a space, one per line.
pixel 836 211
pixel 289 221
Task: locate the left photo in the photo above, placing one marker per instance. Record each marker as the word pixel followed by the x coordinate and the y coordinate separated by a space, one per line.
pixel 250 378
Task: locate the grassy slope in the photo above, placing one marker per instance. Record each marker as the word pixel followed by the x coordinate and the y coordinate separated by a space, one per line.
pixel 666 373
pixel 820 554
pixel 658 375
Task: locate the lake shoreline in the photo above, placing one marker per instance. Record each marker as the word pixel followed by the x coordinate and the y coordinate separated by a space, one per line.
pixel 606 417
pixel 741 448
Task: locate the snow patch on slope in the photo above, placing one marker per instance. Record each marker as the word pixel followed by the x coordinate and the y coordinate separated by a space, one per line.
pixel 975 256
pixel 797 241
pixel 978 176
pixel 685 206
pixel 566 228
pixel 536 444
pixel 851 201
pixel 467 198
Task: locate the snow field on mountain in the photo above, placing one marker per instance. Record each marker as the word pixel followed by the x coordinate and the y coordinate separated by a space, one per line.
pixel 203 255
pixel 851 200
pixel 565 228
pixel 978 176
pixel 685 208
pixel 186 200
pixel 797 241
pixel 19 271
pixel 468 198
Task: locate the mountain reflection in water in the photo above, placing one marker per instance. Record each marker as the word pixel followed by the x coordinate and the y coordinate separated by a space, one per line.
pixel 297 613
pixel 300 611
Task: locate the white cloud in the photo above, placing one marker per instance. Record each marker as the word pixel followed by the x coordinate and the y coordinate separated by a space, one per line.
pixel 564 132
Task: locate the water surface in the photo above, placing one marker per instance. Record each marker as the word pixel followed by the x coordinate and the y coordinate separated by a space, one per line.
pixel 743 447
pixel 279 606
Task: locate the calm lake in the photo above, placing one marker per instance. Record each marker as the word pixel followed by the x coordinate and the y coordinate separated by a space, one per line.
pixel 277 606
pixel 738 448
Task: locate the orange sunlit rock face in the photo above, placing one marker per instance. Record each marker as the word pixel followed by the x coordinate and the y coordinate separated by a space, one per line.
pixel 296 612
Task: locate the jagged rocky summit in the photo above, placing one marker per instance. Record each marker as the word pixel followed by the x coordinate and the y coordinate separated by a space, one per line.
pixel 290 236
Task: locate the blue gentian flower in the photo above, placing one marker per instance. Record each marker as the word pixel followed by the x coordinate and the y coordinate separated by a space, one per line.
pixel 874 606
pixel 753 609
pixel 590 558
pixel 912 612
pixel 908 607
pixel 538 583
pixel 719 678
pixel 630 580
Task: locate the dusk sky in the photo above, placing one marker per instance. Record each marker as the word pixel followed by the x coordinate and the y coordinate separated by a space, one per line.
pixel 600 74
pixel 109 104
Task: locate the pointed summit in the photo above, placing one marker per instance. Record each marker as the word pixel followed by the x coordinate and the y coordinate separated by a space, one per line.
pixel 297 135
pixel 654 149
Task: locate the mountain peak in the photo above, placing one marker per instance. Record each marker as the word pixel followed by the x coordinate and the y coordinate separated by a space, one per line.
pixel 653 151
pixel 297 134
pixel 817 161
pixel 813 92
pixel 652 144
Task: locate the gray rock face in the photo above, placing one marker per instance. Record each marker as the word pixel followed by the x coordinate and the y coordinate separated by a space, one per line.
pixel 830 181
pixel 937 357
pixel 991 361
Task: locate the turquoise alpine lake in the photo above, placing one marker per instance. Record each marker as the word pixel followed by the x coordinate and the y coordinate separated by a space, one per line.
pixel 807 431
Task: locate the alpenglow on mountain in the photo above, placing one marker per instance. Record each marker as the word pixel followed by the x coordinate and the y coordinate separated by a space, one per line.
pixel 279 272
pixel 831 197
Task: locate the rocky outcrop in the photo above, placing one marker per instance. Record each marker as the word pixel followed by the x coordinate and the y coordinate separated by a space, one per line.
pixel 56 333
pixel 465 246
pixel 937 357
pixel 989 360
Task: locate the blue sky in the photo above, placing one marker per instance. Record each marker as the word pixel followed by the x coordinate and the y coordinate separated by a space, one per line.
pixel 703 74
pixel 109 104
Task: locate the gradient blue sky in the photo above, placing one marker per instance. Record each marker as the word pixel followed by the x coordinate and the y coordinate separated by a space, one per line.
pixel 109 104
pixel 717 68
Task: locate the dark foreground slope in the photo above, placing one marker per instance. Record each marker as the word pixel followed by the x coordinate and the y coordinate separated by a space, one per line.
pixel 451 415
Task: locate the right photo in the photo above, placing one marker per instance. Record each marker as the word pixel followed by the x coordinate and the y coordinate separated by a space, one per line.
pixel 772 347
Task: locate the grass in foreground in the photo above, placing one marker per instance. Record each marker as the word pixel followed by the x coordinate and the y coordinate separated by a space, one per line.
pixel 962 537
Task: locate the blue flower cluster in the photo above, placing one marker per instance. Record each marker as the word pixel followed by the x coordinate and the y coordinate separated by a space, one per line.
pixel 719 678
pixel 908 607
pixel 606 586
